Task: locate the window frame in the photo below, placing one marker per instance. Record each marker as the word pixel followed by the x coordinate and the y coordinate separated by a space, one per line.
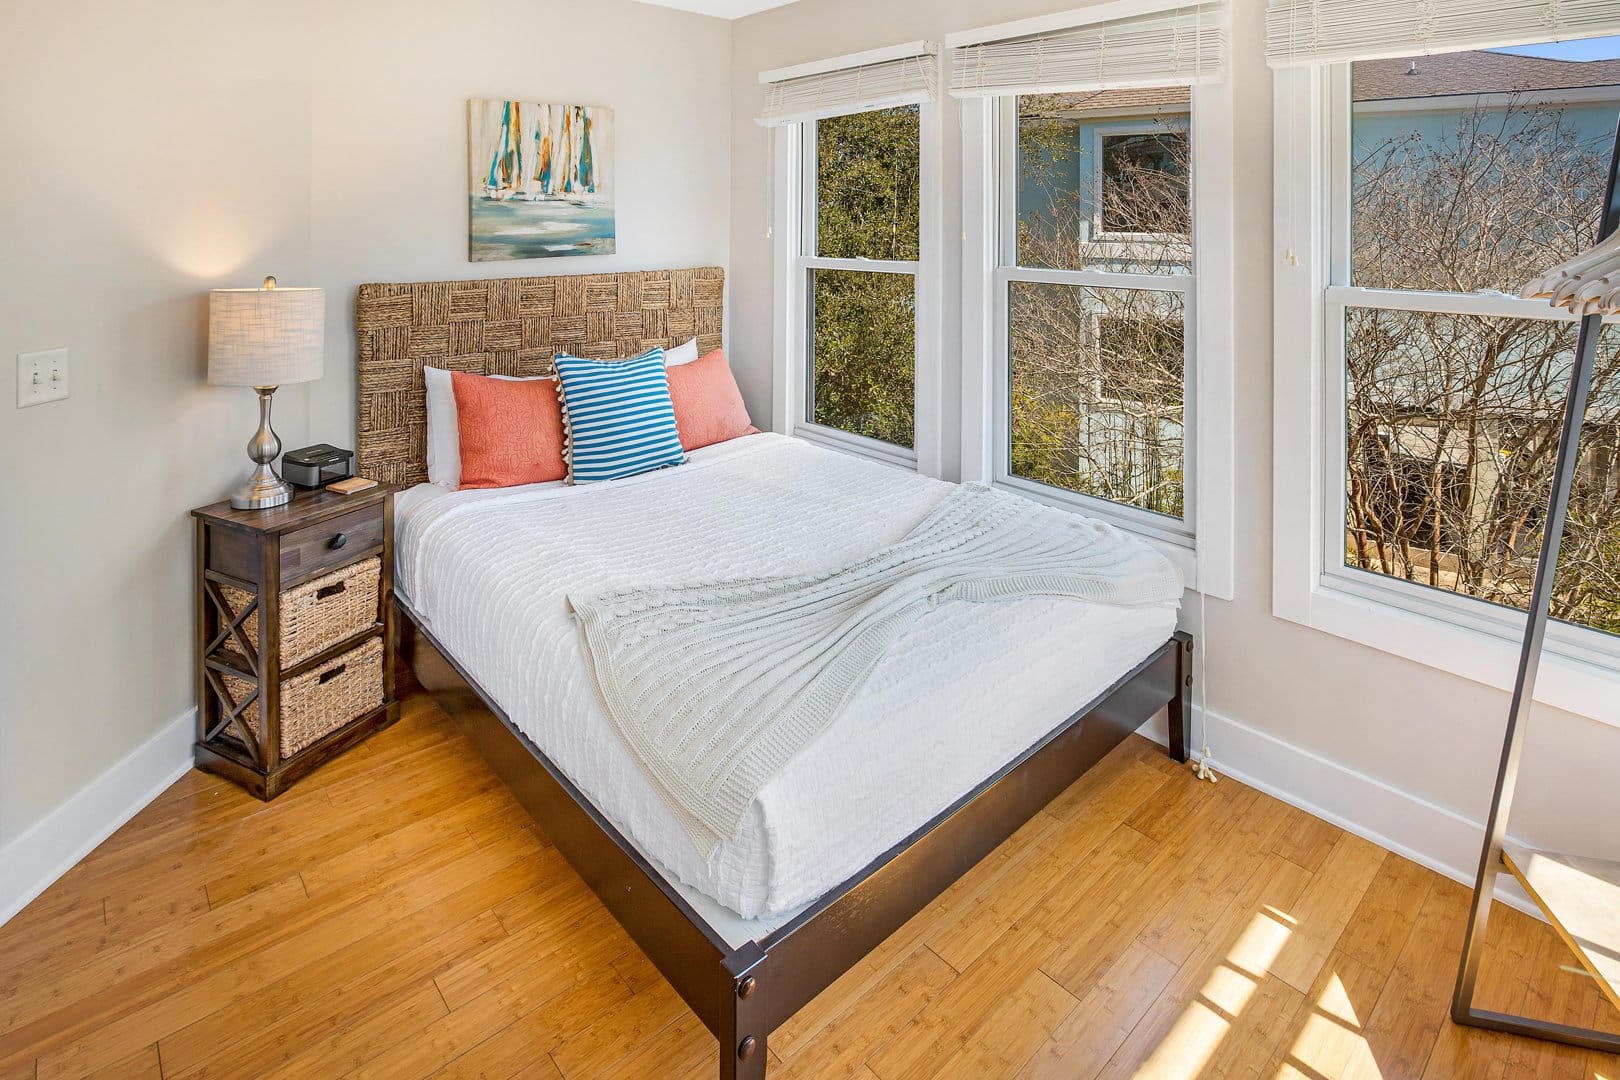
pixel 1311 585
pixel 794 182
pixel 1201 543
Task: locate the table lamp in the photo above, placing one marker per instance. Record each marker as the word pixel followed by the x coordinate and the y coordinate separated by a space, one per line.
pixel 264 338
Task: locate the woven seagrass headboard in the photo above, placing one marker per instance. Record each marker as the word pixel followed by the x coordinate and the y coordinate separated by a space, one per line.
pixel 507 326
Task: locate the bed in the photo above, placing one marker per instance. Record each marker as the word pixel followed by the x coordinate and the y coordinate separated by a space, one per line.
pixel 809 884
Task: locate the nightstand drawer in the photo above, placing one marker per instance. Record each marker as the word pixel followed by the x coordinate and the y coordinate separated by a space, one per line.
pixel 332 542
pixel 319 613
pixel 323 699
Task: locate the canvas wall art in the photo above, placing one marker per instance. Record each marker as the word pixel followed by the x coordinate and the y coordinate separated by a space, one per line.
pixel 539 180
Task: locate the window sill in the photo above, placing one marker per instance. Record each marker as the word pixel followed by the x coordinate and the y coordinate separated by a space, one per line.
pixel 1180 549
pixel 1565 682
pixel 872 449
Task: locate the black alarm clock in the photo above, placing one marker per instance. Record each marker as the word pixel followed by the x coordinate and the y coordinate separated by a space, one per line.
pixel 315 466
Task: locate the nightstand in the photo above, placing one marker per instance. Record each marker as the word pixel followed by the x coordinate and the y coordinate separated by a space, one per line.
pixel 295 651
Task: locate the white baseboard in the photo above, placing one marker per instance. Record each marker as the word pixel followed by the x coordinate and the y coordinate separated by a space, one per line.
pixel 49 849
pixel 1409 825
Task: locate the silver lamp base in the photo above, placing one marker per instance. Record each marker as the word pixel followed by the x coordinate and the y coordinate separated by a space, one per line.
pixel 264 488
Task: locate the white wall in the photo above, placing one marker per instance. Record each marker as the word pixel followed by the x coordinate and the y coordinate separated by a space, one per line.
pixel 150 152
pixel 1404 750
pixel 390 131
pixel 154 151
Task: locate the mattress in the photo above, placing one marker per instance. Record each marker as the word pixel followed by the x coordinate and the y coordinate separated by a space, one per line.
pixel 966 690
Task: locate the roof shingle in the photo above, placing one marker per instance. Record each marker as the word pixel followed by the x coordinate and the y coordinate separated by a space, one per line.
pixel 1475 72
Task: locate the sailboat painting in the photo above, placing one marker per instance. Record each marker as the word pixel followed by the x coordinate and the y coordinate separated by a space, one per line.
pixel 539 180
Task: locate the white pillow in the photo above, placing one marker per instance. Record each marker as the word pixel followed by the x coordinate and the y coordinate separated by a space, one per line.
pixel 444 431
pixel 681 354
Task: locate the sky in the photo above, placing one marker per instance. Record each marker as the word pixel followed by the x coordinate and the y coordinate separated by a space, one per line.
pixel 1603 48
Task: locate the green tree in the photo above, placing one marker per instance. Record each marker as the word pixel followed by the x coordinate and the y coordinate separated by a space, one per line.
pixel 867 207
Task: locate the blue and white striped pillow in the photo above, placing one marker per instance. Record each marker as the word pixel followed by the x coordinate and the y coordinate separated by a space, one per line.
pixel 617 417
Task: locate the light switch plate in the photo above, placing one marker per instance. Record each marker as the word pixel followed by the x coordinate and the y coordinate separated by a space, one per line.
pixel 41 377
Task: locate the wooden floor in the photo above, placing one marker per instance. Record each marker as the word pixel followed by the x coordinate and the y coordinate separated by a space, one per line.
pixel 397 915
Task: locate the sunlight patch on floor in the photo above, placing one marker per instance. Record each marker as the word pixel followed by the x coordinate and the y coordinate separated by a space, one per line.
pixel 1330 1042
pixel 1199 1031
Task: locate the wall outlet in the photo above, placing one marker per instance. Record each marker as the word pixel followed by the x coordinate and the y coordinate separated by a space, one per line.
pixel 41 377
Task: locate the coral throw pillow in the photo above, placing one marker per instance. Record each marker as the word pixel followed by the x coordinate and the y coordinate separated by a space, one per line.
pixel 709 408
pixel 511 432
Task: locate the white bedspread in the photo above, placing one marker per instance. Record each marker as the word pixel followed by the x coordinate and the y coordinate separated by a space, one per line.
pixel 958 696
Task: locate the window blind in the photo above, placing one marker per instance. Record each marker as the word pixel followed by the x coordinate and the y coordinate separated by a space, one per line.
pixel 1304 32
pixel 1175 47
pixel 886 84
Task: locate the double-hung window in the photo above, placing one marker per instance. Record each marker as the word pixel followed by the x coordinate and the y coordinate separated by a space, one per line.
pixel 1106 261
pixel 1419 397
pixel 854 236
pixel 858 262
pixel 1096 253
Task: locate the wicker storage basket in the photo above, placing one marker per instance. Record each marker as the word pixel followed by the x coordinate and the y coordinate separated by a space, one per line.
pixel 319 613
pixel 322 699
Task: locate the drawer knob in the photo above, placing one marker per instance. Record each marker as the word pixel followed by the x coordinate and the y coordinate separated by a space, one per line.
pixel 338 541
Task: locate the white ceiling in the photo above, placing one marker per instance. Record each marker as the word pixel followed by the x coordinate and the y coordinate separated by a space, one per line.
pixel 724 9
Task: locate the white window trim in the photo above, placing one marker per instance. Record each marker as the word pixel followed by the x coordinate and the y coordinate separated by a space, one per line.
pixel 1580 671
pixel 884 55
pixel 1108 11
pixel 791 333
pixel 1204 547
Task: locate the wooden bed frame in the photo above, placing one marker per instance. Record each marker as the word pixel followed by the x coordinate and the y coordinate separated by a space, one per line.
pixel 743 993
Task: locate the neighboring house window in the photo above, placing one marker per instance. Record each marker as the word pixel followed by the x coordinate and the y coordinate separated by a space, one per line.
pixel 1144 181
pixel 1097 252
pixel 1450 181
pixel 859 267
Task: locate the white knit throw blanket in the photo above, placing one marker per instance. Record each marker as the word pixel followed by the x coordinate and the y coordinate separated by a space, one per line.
pixel 715 686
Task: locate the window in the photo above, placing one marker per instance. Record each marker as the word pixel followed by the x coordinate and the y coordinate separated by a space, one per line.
pixel 1097 270
pixel 1096 267
pixel 1418 397
pixel 1465 174
pixel 857 285
pixel 859 267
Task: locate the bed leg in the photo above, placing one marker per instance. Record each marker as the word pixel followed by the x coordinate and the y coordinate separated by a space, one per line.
pixel 1180 712
pixel 742 1014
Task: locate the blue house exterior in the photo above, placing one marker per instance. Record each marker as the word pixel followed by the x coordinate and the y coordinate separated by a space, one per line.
pixel 1424 98
pixel 1062 180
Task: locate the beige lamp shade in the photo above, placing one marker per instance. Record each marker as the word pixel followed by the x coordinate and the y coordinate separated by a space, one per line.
pixel 265 337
